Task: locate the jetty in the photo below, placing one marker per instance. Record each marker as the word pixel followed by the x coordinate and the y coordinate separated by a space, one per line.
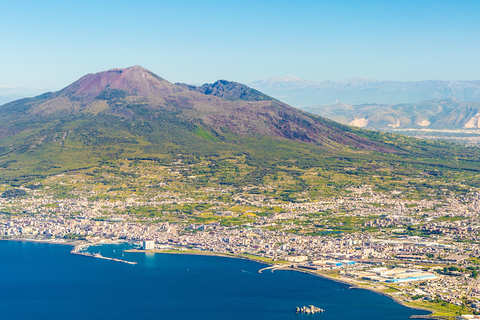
pixel 311 309
pixel 275 267
pixel 78 251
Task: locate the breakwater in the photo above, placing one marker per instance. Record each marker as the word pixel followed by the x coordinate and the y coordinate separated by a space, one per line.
pixel 78 250
pixel 160 284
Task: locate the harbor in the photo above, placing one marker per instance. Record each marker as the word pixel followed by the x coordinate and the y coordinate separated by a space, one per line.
pixel 79 250
pixel 179 277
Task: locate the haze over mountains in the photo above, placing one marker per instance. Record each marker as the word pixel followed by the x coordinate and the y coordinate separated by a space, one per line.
pixel 300 93
pixel 444 114
pixel 8 94
pixel 133 113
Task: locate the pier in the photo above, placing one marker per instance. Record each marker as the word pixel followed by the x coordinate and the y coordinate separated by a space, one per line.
pixel 275 267
pixel 77 250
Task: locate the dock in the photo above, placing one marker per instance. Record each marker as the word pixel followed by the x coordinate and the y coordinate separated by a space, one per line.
pixel 275 267
pixel 77 250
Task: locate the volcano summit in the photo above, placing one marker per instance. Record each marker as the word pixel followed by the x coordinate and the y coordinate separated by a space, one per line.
pixel 133 113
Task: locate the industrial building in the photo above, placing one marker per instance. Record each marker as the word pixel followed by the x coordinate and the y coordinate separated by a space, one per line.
pixel 395 275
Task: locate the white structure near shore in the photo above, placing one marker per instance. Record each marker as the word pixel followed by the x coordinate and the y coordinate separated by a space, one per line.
pixel 148 245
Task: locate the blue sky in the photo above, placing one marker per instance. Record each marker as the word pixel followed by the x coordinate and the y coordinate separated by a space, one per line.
pixel 49 44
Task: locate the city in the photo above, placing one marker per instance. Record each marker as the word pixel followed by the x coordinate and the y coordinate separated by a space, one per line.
pixel 424 253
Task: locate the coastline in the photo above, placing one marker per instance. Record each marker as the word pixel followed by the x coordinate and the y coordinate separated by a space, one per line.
pixel 373 289
pixel 353 284
pixel 200 253
pixel 77 247
pixel 65 243
pixel 342 280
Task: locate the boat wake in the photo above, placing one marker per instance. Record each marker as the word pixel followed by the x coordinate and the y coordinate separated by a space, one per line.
pixel 248 272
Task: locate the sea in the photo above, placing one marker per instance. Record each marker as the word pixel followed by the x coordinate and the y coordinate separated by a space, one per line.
pixel 45 281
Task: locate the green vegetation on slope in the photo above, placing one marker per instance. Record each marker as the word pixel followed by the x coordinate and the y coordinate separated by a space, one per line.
pixel 232 143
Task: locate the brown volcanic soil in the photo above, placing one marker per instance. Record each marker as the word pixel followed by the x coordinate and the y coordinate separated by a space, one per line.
pixel 274 119
pixel 135 80
pixel 223 108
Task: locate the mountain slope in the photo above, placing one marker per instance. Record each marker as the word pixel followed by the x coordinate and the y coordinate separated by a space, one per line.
pixel 132 113
pixel 223 107
pixel 228 90
pixel 8 94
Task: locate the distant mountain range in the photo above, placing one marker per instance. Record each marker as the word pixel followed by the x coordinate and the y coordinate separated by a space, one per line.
pixel 133 113
pixel 445 114
pixel 300 93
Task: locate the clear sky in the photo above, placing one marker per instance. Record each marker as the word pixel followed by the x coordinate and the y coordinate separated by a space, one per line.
pixel 49 44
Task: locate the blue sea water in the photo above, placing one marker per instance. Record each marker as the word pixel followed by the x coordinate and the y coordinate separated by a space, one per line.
pixel 44 281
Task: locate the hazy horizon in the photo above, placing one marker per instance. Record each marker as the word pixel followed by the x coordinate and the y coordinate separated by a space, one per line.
pixel 269 85
pixel 50 45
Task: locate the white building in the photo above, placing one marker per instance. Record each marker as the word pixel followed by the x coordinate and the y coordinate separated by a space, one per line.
pixel 148 245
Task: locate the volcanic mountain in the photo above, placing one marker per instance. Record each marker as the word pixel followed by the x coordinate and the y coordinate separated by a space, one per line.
pixel 133 113
pixel 223 107
pixel 135 80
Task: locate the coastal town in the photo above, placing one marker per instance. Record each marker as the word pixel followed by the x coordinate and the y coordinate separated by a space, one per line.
pixel 259 160
pixel 423 253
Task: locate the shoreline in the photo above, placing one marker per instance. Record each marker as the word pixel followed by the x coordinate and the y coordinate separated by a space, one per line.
pixel 342 280
pixel 72 243
pixel 77 247
pixel 65 243
pixel 373 289
pixel 355 285
pixel 351 283
pixel 198 253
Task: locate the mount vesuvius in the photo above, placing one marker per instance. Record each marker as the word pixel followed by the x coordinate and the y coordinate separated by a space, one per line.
pixel 133 113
